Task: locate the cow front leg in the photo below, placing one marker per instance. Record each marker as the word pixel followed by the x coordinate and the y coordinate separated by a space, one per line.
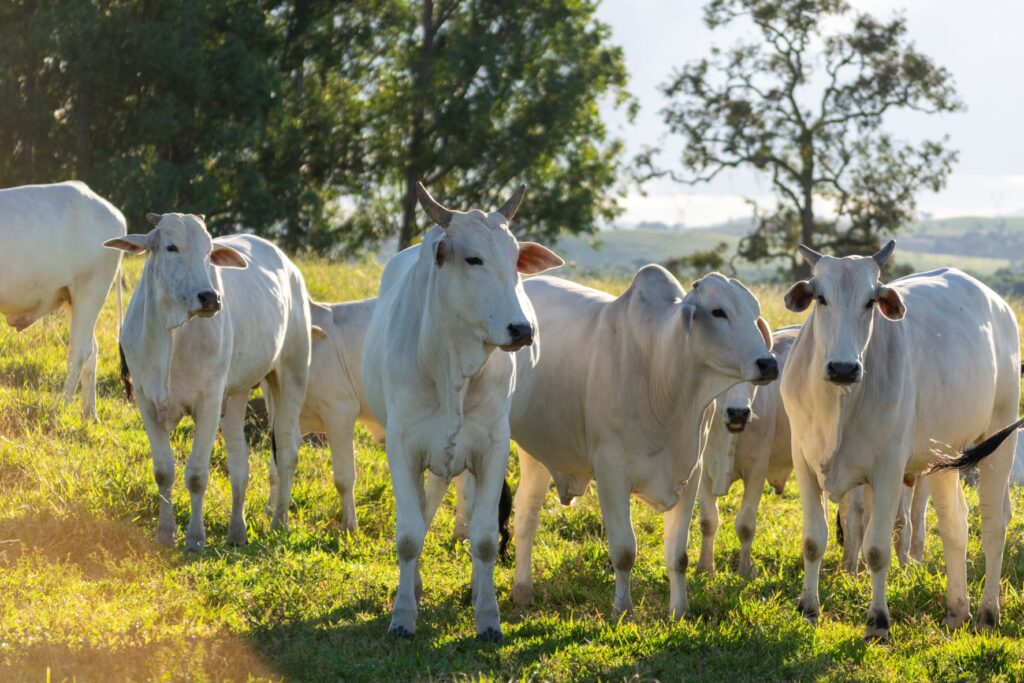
pixel 488 479
pixel 951 512
pixel 886 491
pixel 410 530
pixel 815 533
pixel 534 480
pixel 232 427
pixel 613 494
pixel 709 522
pixel 197 469
pixel 163 469
pixel 676 538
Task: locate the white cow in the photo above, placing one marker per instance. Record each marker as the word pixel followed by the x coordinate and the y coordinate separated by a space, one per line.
pixel 433 380
pixel 874 398
pixel 186 359
pixel 618 395
pixel 737 448
pixel 51 257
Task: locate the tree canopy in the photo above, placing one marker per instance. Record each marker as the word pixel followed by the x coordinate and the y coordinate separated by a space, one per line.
pixel 805 104
pixel 306 120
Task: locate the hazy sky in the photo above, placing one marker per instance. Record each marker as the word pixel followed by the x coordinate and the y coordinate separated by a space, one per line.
pixel 979 41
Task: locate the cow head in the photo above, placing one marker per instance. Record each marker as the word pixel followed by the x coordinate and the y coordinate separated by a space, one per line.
pixel 724 320
pixel 846 293
pixel 180 265
pixel 735 406
pixel 476 264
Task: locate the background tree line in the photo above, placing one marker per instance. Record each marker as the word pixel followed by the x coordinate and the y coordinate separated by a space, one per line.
pixel 309 121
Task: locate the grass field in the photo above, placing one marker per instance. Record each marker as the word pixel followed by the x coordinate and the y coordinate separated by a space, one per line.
pixel 86 595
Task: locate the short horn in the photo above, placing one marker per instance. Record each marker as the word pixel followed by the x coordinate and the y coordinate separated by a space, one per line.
pixel 812 257
pixel 153 218
pixel 882 257
pixel 437 213
pixel 509 208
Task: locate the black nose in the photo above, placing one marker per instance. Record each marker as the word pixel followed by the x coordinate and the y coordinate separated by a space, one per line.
pixel 768 367
pixel 521 333
pixel 210 301
pixel 740 415
pixel 843 373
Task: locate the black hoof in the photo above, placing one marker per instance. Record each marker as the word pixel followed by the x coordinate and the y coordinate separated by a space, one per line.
pixel 987 619
pixel 400 632
pixel 809 614
pixel 877 627
pixel 491 635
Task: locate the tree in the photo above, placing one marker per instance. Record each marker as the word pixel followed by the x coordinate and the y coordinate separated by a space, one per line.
pixel 815 131
pixel 493 94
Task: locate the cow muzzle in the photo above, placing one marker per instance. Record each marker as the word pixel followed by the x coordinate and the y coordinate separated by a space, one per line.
pixel 768 370
pixel 840 372
pixel 520 335
pixel 736 419
pixel 209 304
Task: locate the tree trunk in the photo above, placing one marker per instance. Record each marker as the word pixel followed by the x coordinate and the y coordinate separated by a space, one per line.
pixel 416 165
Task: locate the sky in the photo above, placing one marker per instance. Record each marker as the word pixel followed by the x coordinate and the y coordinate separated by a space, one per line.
pixel 979 41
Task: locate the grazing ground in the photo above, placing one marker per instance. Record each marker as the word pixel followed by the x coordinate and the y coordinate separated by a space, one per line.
pixel 85 594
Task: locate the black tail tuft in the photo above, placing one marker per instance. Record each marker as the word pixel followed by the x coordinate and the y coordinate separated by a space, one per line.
pixel 504 515
pixel 126 377
pixel 972 456
pixel 1022 369
pixel 840 535
pixel 273 446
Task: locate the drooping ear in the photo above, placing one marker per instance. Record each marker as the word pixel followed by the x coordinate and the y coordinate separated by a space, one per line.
pixel 766 332
pixel 226 257
pixel 317 333
pixel 133 244
pixel 153 218
pixel 883 254
pixel 812 257
pixel 441 249
pixel 890 303
pixel 800 296
pixel 437 213
pixel 509 208
pixel 536 258
pixel 689 310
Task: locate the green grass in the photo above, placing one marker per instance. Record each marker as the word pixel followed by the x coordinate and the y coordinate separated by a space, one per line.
pixel 86 595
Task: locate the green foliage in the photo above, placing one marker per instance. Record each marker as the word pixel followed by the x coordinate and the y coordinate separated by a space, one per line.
pixel 805 105
pixel 86 595
pixel 304 120
pixel 699 262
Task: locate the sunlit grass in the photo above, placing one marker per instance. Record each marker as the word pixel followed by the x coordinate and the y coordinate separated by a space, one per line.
pixel 86 595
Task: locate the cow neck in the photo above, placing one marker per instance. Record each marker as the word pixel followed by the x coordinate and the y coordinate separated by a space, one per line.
pixel 157 344
pixel 832 402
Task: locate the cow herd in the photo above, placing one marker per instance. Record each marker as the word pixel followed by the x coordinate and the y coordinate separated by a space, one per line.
pixel 662 393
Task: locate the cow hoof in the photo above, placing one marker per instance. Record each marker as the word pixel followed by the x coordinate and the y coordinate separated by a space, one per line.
pixel 194 546
pixel 810 613
pixel 706 569
pixel 396 631
pixel 622 613
pixel 237 537
pixel 460 532
pixel 746 571
pixel 987 619
pixel 165 537
pixel 490 635
pixel 349 526
pixel 877 627
pixel 955 621
pixel 522 595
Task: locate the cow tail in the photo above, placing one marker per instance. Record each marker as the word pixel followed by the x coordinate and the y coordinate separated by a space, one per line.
pixel 972 456
pixel 120 300
pixel 840 535
pixel 504 516
pixel 126 377
pixel 273 445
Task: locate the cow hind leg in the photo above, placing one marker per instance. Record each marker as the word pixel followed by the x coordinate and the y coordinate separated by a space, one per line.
pixel 852 513
pixel 232 426
pixel 340 425
pixel 534 480
pixel 287 392
pixel 463 503
pixel 903 529
pixel 709 522
pixel 994 501
pixel 85 305
pixel 918 517
pixel 951 511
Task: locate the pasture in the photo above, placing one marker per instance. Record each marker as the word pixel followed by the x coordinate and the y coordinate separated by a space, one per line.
pixel 85 594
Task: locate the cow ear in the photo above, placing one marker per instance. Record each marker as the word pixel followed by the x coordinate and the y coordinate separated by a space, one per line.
pixel 536 258
pixel 890 303
pixel 226 257
pixel 800 296
pixel 201 216
pixel 153 218
pixel 133 244
pixel 689 311
pixel 441 249
pixel 766 332
pixel 317 333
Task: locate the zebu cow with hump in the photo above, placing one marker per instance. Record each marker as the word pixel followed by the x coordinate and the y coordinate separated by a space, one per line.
pixel 618 395
pixel 52 257
pixel 438 379
pixel 748 439
pixel 210 320
pixel 883 381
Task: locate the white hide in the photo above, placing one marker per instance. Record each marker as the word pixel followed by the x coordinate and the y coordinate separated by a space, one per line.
pixel 52 256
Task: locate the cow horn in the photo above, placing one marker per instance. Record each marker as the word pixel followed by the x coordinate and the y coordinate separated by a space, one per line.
pixel 153 218
pixel 883 254
pixel 812 257
pixel 509 208
pixel 437 213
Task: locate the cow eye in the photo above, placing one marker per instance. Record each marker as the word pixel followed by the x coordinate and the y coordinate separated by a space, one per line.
pixel 719 313
pixel 475 261
pixel 821 300
pixel 870 303
pixel 171 248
